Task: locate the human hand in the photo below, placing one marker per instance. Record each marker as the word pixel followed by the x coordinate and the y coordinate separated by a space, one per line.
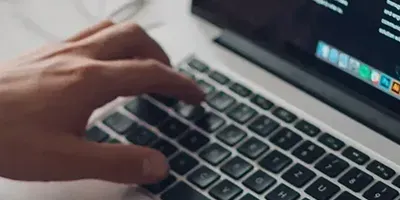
pixel 48 95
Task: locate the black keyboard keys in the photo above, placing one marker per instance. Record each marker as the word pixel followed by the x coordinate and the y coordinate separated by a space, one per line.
pixel 356 155
pixel 275 162
pixel 215 154
pixel 346 196
pixel 95 134
pixel 164 147
pixel 203 177
pixel 206 87
pixel 262 102
pixel 331 142
pixel 236 167
pixel 322 189
pixel 253 148
pixel 160 186
pixel 298 175
pixel 283 192
pixel 396 182
pixel 183 163
pixel 218 77
pixel 248 197
pixel 193 140
pixel 263 126
pixel 190 112
pixel 307 128
pixel 381 170
pixel 284 115
pixel 331 165
pixel 142 136
pixel 120 123
pixel 240 90
pixel 198 65
pixel 231 135
pixel 259 182
pixel 225 190
pixel 242 113
pixel 165 100
pixel 286 139
pixel 308 152
pixel 221 101
pixel 380 191
pixel 173 128
pixel 146 111
pixel 182 191
pixel 356 180
pixel 210 122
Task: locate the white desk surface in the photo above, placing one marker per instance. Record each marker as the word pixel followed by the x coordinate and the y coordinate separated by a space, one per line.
pixel 61 18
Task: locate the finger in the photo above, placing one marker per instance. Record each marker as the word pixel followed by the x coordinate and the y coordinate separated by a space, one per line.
pixel 124 41
pixel 111 79
pixel 90 31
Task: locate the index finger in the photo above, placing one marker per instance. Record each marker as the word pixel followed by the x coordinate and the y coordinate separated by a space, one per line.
pixel 124 41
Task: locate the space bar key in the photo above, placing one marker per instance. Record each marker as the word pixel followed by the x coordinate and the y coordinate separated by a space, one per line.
pixel 182 191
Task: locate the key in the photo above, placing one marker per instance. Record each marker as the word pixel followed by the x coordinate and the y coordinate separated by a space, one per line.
pixel 198 65
pixel 218 77
pixel 308 152
pixel 242 113
pixel 262 102
pixel 236 168
pixel 225 190
pixel 206 87
pixel 240 90
pixel 275 162
pixel 142 137
pixel 182 191
pixel 356 180
pixel 221 101
pixel 190 112
pixel 173 128
pixel 356 156
pixel 253 148
pixel 263 126
pixel 165 100
pixel 210 122
pixel 187 73
pixel 380 191
pixel 331 142
pixel 298 175
pixel 160 186
pixel 284 115
pixel 331 165
pixel 283 192
pixel 215 154
pixel 113 141
pixel 182 163
pixel 259 182
pixel 120 123
pixel 307 128
pixel 381 170
pixel 346 196
pixel 193 140
pixel 248 197
pixel 231 135
pixel 396 182
pixel 164 147
pixel 95 134
pixel 203 177
pixel 145 110
pixel 322 189
pixel 286 139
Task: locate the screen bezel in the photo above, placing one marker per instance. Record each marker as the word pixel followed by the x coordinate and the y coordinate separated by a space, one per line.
pixel 310 63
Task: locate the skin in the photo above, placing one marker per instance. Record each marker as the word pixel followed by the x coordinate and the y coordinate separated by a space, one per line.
pixel 48 95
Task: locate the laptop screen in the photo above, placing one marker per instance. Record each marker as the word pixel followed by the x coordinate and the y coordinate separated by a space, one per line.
pixel 354 42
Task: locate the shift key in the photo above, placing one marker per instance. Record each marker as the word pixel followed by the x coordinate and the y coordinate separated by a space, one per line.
pixel 182 191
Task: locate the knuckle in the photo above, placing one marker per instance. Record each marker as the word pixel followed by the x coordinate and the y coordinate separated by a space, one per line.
pixel 154 64
pixel 134 28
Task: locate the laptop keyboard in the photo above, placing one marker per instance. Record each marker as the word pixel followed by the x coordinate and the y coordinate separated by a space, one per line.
pixel 240 145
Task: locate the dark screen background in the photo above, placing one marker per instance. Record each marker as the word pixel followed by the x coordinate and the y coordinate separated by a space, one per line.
pixel 303 23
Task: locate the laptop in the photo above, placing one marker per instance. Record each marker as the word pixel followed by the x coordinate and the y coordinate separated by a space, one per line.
pixel 302 104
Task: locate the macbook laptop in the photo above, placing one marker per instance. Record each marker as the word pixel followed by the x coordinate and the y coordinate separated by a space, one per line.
pixel 303 102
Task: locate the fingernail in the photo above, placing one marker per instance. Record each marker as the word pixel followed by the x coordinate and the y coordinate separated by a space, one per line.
pixel 155 166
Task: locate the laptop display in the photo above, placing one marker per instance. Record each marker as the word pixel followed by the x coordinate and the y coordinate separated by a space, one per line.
pixel 355 43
